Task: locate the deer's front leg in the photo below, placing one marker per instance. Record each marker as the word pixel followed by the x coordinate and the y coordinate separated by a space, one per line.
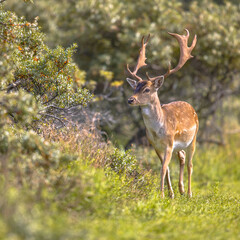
pixel 167 175
pixel 166 161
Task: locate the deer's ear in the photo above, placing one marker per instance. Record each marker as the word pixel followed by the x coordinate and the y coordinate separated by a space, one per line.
pixel 132 83
pixel 158 82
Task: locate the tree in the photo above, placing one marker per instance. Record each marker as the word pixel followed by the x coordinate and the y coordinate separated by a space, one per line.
pixel 108 35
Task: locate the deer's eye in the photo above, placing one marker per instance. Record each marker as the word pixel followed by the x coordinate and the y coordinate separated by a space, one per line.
pixel 147 90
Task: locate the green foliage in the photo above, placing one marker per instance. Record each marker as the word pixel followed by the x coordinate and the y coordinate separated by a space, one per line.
pixel 108 35
pixel 122 162
pixel 21 107
pixel 26 62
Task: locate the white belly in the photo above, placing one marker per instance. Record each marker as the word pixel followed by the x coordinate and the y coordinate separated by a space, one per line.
pixel 177 145
pixel 157 139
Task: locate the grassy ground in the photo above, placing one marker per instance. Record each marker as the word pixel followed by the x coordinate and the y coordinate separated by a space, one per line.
pixel 103 193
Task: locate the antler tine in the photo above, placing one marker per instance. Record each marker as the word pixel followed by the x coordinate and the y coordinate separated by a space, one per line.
pixel 187 32
pixel 185 53
pixel 141 59
pixel 133 75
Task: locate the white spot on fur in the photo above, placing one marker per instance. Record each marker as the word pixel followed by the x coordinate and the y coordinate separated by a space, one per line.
pixel 192 128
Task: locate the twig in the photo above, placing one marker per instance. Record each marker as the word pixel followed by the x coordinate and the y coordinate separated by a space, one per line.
pixel 61 109
pixel 58 108
pixel 52 116
pixel 48 101
pixel 12 86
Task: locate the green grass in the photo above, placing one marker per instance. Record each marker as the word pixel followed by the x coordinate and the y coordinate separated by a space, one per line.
pixel 85 199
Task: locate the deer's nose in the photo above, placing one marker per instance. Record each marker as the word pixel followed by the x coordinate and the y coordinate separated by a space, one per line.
pixel 131 100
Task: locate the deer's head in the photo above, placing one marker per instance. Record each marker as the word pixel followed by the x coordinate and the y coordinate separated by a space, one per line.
pixel 146 90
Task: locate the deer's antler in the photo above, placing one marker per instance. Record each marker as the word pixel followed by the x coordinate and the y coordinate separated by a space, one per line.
pixel 185 53
pixel 141 60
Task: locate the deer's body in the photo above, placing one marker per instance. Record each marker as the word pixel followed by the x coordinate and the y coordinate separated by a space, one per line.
pixel 170 128
pixel 173 124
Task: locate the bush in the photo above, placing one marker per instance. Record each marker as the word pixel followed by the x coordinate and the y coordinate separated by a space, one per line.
pixel 50 75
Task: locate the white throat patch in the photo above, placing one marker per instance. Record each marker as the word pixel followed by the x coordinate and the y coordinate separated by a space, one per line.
pixel 146 111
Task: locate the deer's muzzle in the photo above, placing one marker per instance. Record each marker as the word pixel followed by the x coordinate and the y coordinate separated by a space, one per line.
pixel 131 100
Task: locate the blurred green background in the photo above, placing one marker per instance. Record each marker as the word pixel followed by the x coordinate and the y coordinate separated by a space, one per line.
pixel 108 36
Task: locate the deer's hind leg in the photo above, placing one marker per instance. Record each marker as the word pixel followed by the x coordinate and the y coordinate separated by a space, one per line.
pixel 181 156
pixel 190 153
pixel 171 193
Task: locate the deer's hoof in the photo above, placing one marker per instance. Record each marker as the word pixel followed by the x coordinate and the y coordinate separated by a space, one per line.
pixel 190 195
pixel 181 189
pixel 171 195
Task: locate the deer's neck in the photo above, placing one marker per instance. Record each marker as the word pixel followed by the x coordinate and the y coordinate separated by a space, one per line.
pixel 153 114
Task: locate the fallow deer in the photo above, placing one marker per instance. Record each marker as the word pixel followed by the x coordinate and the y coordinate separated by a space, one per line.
pixel 170 128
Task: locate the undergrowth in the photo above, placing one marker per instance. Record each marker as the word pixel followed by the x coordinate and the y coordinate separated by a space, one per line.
pixel 69 184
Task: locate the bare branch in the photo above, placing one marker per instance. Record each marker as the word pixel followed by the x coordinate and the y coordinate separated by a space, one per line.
pixel 52 116
pixel 12 86
pixel 61 109
pixel 50 100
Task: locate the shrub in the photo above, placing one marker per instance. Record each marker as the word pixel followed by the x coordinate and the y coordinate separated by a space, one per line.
pixel 50 75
